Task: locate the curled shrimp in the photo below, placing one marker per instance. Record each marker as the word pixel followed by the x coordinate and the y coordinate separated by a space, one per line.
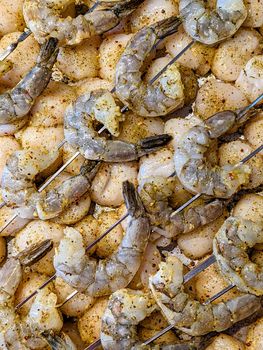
pixel 188 314
pixel 231 245
pixel 46 20
pixel 81 134
pixel 192 167
pixel 212 26
pixel 16 333
pixel 106 276
pixel 167 93
pixel 15 104
pixel 19 189
pixel 155 195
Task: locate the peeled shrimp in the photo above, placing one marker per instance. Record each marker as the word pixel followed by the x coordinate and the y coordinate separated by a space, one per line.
pixel 46 20
pixel 80 133
pixel 18 333
pixel 167 93
pixel 212 26
pixel 106 276
pixel 231 245
pixel 155 195
pixel 193 169
pixel 188 314
pixel 19 190
pixel 15 104
pixel 125 310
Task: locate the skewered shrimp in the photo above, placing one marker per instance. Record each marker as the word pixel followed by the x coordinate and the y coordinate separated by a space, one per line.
pixel 19 188
pixel 188 314
pixel 16 333
pixel 106 276
pixel 46 20
pixel 155 196
pixel 80 133
pixel 163 96
pixel 194 171
pixel 212 26
pixel 231 245
pixel 15 105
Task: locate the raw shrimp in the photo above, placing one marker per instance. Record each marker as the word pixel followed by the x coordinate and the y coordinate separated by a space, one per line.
pixel 125 310
pixel 194 171
pixel 80 133
pixel 155 195
pixel 115 272
pixel 212 26
pixel 231 245
pixel 15 104
pixel 188 314
pixel 167 93
pixel 16 333
pixel 45 19
pixel 19 190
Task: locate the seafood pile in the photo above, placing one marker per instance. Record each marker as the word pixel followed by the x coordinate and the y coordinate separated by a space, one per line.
pixel 131 143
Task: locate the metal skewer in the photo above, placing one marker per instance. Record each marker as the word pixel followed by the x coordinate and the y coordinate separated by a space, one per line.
pixel 14 45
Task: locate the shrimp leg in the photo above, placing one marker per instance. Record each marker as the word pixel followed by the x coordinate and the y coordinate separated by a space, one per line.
pixel 108 275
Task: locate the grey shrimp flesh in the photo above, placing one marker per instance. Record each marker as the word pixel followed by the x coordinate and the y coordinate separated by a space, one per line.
pixel 155 194
pixel 164 95
pixel 193 169
pixel 46 20
pixel 16 103
pixel 81 134
pixel 231 247
pixel 19 188
pixel 210 26
pixel 188 314
pixel 103 277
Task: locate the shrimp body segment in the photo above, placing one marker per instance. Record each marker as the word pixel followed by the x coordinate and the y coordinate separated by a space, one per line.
pixel 15 104
pixel 188 314
pixel 46 20
pixel 19 189
pixel 167 93
pixel 193 169
pixel 155 194
pixel 212 26
pixel 81 134
pixel 231 245
pixel 108 275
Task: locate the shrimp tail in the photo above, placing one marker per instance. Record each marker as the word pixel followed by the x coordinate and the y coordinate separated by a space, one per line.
pixel 34 253
pixel 152 143
pixel 132 200
pixel 89 169
pixel 122 8
pixel 167 26
pixel 48 53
